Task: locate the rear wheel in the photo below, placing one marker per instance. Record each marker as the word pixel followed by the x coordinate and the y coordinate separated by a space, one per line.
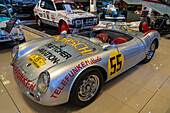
pixel 86 88
pixel 40 23
pixel 150 53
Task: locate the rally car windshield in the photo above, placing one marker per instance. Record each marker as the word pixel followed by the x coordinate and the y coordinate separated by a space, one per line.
pixel 4 12
pixel 62 6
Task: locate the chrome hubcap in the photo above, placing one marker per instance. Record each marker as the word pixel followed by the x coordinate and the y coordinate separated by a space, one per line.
pixel 151 51
pixel 88 88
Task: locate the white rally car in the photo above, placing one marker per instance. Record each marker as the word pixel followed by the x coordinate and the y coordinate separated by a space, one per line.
pixel 63 14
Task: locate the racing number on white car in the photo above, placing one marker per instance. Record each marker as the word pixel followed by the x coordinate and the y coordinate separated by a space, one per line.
pixel 115 64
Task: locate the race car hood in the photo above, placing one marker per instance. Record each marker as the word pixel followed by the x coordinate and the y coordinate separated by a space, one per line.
pixel 80 14
pixel 52 53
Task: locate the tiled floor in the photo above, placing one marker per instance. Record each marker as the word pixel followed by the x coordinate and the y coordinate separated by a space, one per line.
pixel 144 88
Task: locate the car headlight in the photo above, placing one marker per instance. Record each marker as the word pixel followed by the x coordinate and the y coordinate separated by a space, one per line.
pixel 14 53
pixel 43 82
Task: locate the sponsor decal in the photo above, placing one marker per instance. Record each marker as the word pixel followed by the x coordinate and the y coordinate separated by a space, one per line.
pixel 115 63
pixel 48 12
pixel 71 74
pixel 50 22
pixel 37 60
pixel 128 24
pixel 77 44
pixel 58 50
pixel 27 83
pixel 86 22
pixel 49 56
pixel 59 14
pixel 40 14
pixel 36 9
pixel 44 14
pixel 53 17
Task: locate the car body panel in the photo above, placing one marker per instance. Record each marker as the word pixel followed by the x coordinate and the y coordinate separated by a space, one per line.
pixel 64 74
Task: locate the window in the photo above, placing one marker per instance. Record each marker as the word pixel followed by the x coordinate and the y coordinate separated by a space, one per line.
pixel 47 5
pixel 42 4
pixel 37 5
pixel 60 6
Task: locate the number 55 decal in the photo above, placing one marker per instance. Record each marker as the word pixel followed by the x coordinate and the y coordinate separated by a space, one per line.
pixel 115 63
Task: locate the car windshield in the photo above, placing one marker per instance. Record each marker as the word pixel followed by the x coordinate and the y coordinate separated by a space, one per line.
pixel 62 6
pixel 4 12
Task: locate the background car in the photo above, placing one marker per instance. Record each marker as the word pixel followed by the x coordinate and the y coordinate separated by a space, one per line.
pixel 10 29
pixel 8 5
pixel 161 24
pixel 63 14
pixel 57 69
pixel 112 12
pixel 24 9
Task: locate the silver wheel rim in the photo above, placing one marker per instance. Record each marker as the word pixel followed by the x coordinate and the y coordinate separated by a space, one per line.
pixel 88 88
pixel 39 22
pixel 151 51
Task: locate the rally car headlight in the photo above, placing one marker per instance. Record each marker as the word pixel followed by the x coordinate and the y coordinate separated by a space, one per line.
pixel 14 53
pixel 43 82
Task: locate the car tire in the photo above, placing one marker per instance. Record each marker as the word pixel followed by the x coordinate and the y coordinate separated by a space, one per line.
pixel 62 23
pixel 150 53
pixel 86 88
pixel 39 22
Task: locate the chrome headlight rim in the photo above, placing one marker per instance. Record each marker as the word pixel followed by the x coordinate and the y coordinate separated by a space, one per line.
pixel 41 79
pixel 14 52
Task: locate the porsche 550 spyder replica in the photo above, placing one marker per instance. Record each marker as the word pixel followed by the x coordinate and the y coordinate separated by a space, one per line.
pixel 58 69
pixel 10 27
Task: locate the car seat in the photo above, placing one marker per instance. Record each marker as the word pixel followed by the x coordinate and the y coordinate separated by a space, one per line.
pixel 102 37
pixel 119 40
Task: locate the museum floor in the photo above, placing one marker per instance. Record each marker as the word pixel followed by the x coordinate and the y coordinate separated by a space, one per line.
pixel 145 88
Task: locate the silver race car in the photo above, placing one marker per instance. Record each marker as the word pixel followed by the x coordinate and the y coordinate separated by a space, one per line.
pixel 58 69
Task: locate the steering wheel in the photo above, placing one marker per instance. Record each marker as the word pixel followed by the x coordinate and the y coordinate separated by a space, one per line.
pixel 101 39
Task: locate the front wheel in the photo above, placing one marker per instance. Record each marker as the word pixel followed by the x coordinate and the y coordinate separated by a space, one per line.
pixel 86 88
pixel 150 53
